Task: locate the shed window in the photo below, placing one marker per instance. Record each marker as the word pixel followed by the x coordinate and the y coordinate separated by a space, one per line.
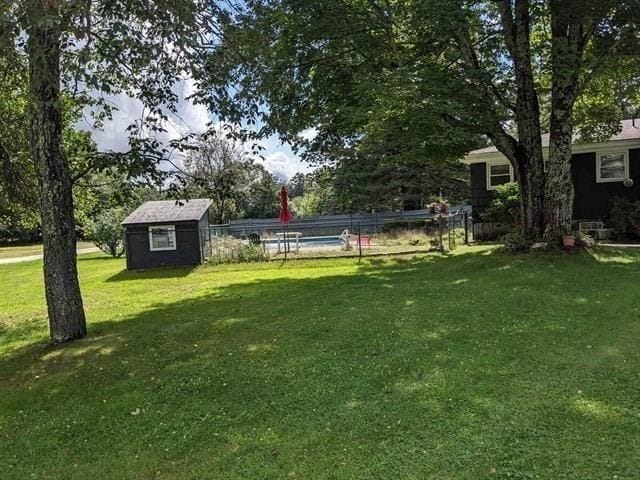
pixel 612 167
pixel 162 238
pixel 498 174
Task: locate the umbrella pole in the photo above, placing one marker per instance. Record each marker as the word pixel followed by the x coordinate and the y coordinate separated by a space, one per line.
pixel 285 242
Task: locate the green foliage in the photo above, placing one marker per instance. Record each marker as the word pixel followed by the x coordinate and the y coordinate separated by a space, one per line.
pixel 394 83
pixel 233 250
pixel 19 218
pixel 365 183
pixel 296 185
pixel 221 170
pixel 107 233
pixel 624 217
pixel 306 205
pixel 95 185
pixel 108 48
pixel 350 71
pixel 96 193
pixel 319 193
pixel 262 199
pixel 518 240
pixel 505 205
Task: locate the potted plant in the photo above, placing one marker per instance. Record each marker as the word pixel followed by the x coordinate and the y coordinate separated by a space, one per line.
pixel 568 240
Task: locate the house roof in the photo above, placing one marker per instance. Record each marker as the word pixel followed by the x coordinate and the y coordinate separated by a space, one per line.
pixel 168 211
pixel 630 131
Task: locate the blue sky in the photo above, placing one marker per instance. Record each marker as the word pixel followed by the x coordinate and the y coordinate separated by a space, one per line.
pixel 279 159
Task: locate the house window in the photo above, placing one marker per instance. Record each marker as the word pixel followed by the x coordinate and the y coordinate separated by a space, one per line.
pixel 612 167
pixel 498 174
pixel 162 237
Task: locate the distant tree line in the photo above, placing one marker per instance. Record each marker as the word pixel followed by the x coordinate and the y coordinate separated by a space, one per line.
pixel 367 185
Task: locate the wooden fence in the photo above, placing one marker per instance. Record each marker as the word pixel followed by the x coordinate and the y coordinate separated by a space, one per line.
pixel 329 224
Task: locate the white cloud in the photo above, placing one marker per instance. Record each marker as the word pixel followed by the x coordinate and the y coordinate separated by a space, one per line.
pixel 278 158
pixel 189 118
pixel 282 165
pixel 308 134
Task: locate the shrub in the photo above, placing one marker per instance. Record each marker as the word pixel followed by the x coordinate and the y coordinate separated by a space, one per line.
pixel 505 206
pixel 233 250
pixel 516 241
pixel 624 216
pixel 106 231
pixel 403 237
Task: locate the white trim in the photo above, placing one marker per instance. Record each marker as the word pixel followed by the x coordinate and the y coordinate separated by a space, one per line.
pixel 170 228
pixel 613 151
pixel 493 164
pixel 575 149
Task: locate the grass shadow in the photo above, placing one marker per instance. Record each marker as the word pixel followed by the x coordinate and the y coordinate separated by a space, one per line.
pixel 153 273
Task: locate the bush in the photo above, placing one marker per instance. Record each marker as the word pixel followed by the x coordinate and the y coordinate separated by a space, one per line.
pixel 624 217
pixel 234 250
pixel 395 226
pixel 516 241
pixel 403 237
pixel 106 231
pixel 505 206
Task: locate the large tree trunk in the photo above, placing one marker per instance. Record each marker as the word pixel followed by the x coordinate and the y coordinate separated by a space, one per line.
pixel 559 186
pixel 64 302
pixel 527 159
pixel 567 43
pixel 530 176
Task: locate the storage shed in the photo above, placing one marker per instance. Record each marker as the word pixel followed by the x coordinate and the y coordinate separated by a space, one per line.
pixel 167 232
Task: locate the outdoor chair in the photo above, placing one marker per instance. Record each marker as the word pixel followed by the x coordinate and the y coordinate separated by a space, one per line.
pixel 254 239
pixel 594 229
pixel 364 241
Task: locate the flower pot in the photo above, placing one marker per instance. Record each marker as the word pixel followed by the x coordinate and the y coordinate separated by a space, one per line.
pixel 568 241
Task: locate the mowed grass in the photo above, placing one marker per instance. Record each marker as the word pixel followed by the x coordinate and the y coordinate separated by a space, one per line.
pixel 470 366
pixel 15 251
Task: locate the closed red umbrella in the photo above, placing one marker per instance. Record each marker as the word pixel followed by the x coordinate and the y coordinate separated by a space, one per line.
pixel 285 213
pixel 285 216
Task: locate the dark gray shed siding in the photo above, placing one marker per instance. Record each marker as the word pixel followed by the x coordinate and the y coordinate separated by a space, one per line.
pixel 592 200
pixel 187 252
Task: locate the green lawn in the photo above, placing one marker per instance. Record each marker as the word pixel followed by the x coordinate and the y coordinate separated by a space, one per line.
pixel 472 366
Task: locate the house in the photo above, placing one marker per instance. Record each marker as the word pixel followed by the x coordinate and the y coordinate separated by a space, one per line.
pixel 167 232
pixel 601 171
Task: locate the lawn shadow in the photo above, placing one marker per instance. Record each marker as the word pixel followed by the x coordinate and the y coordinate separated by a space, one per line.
pixel 152 273
pixel 96 256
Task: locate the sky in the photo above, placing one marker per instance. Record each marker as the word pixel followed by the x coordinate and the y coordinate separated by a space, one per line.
pixel 278 158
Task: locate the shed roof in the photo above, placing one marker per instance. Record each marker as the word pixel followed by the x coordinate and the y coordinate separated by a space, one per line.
pixel 630 130
pixel 168 211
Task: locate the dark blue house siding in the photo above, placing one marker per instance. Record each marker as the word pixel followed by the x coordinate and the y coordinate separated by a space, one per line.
pixel 188 247
pixel 592 200
pixel 480 196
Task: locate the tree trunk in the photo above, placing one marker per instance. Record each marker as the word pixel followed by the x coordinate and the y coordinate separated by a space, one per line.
pixel 530 176
pixel 527 158
pixel 64 302
pixel 567 43
pixel 559 186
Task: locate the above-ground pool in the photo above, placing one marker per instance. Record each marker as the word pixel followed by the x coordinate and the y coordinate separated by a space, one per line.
pixel 306 242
